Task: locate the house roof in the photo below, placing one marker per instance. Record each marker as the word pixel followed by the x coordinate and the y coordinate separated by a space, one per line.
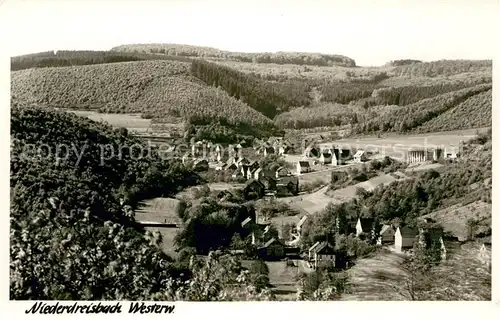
pixel 258 170
pixel 314 246
pixel 288 179
pixel 246 221
pixel 304 164
pixel 385 228
pixel 319 246
pixel 366 223
pixel 271 241
pixel 253 181
pixel 359 153
pixel 198 161
pixel 407 231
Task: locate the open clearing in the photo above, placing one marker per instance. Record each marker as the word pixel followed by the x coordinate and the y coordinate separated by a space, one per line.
pixel 167 244
pixel 379 277
pixel 133 122
pixel 454 218
pixel 158 210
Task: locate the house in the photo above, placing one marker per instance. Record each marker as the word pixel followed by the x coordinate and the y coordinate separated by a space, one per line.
pixel 325 158
pixel 451 152
pixel 257 174
pixel 282 172
pixel 364 225
pixel 485 251
pixel 360 156
pixel 269 182
pixel 273 249
pixel 197 148
pixel 386 235
pixel 322 254
pixel 311 152
pixel 287 186
pixel 404 238
pixel 345 154
pixel 253 189
pixel 268 151
pixel 303 167
pixel 242 161
pixel 200 165
pixel 338 158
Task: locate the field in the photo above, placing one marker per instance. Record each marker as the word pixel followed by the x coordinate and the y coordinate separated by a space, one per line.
pixel 133 122
pixel 462 276
pixel 281 277
pixel 379 277
pixel 158 210
pixel 167 244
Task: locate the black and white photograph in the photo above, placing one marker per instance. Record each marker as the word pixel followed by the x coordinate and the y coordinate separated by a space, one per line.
pixel 249 151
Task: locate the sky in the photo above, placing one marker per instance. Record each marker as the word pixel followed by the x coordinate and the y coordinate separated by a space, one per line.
pixel 371 32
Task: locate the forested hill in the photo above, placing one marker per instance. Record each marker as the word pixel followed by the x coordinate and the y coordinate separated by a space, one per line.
pixel 70 236
pixel 226 100
pixel 298 58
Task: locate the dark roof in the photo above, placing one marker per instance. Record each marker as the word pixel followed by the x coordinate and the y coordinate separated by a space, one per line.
pixel 366 223
pixel 304 163
pixel 286 180
pixel 252 181
pixel 408 232
pixel 271 241
pixel 322 247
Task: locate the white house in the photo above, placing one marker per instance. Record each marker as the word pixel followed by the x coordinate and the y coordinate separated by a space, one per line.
pixel 404 238
pixel 364 225
pixel 386 235
pixel 360 156
pixel 325 158
pixel 303 167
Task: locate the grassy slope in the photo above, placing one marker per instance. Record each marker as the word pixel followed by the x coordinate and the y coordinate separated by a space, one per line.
pixel 157 88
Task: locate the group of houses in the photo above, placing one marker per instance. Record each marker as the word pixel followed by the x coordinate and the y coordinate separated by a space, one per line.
pixel 324 254
pixel 274 145
pixel 269 184
pixel 403 237
pixel 268 247
pixel 335 156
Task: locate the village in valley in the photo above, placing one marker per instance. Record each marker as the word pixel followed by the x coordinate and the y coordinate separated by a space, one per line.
pixel 179 172
pixel 272 171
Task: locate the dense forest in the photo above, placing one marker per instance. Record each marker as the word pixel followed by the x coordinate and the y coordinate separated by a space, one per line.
pixel 298 58
pixel 156 89
pixel 269 98
pixel 65 58
pixel 407 118
pixel 442 68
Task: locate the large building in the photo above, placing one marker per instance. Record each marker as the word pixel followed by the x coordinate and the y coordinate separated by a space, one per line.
pixel 422 154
